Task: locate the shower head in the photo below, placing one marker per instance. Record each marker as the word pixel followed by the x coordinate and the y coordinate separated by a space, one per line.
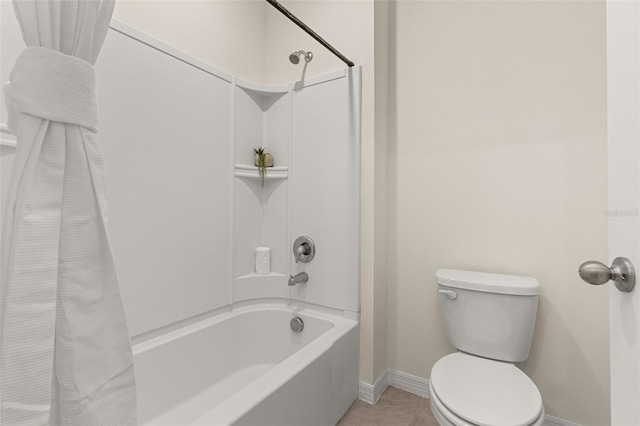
pixel 295 56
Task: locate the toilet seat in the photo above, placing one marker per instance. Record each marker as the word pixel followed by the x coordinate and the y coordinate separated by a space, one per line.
pixel 479 391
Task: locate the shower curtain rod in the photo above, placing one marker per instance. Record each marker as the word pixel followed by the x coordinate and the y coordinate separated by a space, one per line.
pixel 309 31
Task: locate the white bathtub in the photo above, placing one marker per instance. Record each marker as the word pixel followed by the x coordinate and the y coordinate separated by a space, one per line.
pixel 247 367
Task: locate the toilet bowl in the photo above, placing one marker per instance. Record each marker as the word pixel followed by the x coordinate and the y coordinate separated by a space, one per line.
pixel 468 390
pixel 490 319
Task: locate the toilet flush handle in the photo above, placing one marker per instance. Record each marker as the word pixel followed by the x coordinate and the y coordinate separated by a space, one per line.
pixel 449 293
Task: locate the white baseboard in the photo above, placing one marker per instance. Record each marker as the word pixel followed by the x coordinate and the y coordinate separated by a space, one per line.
pixel 419 386
pixel 371 393
pixel 407 382
pixel 555 421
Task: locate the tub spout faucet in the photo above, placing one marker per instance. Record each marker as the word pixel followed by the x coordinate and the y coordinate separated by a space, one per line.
pixel 302 277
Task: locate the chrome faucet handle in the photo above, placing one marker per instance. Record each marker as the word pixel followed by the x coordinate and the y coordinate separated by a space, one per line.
pixel 304 249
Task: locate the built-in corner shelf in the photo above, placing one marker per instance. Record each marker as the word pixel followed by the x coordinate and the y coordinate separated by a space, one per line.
pixel 262 89
pixel 251 172
pixel 252 286
pixel 254 276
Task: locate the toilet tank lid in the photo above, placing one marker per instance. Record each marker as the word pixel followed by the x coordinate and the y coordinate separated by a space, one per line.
pixel 489 283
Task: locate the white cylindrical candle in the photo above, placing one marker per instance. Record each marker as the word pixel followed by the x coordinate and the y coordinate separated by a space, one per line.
pixel 263 260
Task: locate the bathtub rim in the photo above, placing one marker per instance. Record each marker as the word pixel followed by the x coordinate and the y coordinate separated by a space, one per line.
pixel 151 339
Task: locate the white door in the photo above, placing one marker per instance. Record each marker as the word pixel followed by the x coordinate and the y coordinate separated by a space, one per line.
pixel 623 87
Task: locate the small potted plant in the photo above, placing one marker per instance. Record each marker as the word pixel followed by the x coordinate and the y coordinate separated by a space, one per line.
pixel 263 160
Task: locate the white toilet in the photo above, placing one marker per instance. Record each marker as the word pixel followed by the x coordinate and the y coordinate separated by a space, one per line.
pixel 490 320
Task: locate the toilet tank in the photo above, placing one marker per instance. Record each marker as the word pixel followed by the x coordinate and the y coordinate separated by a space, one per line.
pixel 489 315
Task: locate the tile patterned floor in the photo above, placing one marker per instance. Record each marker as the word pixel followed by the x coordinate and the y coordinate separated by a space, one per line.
pixel 394 408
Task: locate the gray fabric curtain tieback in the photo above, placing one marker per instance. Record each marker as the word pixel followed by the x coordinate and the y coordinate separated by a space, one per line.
pixel 51 85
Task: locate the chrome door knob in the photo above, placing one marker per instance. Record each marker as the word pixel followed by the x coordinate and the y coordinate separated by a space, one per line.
pixel 595 273
pixel 621 272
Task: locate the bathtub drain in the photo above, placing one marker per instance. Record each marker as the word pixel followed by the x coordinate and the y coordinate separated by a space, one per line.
pixel 297 324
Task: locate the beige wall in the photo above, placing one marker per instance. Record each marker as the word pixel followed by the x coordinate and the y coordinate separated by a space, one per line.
pixel 228 34
pixel 498 163
pixel 346 24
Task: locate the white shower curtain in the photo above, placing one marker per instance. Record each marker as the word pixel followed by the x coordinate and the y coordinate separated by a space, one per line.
pixel 65 355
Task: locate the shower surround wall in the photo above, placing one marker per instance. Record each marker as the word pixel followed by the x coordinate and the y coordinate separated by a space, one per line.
pixel 167 156
pixel 200 186
pixel 261 211
pixel 311 190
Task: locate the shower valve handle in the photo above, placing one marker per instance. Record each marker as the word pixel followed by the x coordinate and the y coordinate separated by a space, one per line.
pixel 304 249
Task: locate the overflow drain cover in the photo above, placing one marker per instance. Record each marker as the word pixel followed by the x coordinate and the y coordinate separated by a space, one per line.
pixel 297 324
